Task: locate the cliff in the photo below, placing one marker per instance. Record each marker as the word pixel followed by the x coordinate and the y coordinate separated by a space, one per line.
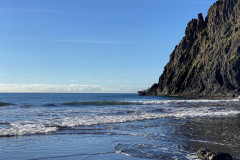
pixel 207 60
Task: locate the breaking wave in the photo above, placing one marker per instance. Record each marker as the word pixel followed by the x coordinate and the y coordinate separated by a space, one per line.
pixel 53 125
pixel 97 103
pixel 3 104
pixel 152 102
pixel 25 128
pixel 177 113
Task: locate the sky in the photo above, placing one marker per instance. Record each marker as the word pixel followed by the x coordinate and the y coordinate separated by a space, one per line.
pixel 89 46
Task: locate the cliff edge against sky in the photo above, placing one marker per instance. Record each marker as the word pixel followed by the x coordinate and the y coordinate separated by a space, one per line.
pixel 207 60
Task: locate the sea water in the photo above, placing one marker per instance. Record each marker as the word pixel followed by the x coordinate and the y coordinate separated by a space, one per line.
pixel 115 127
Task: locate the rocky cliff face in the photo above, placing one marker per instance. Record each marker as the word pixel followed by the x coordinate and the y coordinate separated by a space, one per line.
pixel 207 60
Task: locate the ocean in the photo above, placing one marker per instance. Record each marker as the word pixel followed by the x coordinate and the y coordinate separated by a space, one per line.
pixel 49 126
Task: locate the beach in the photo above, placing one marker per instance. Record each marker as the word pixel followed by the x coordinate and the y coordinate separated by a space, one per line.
pixel 115 126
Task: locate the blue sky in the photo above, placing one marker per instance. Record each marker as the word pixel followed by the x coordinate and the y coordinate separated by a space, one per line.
pixel 89 45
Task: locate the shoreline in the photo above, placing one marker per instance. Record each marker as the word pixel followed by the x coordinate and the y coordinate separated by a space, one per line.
pixel 197 96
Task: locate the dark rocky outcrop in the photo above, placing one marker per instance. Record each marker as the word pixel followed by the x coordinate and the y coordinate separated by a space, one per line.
pixel 3 104
pixel 206 154
pixel 207 60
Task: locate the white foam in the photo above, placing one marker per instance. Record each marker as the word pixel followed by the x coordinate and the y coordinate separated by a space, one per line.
pixel 196 101
pixel 48 126
pixel 19 129
pixel 175 112
pixel 192 156
pixel 211 142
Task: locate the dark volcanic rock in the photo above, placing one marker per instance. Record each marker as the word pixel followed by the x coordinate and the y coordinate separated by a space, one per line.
pixel 221 156
pixel 207 60
pixel 206 154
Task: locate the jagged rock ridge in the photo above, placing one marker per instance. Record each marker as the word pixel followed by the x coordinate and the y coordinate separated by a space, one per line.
pixel 207 60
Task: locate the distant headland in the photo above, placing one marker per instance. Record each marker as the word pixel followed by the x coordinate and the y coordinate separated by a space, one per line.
pixel 206 63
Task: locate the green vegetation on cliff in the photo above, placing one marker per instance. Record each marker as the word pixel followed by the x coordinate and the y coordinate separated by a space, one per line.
pixel 207 60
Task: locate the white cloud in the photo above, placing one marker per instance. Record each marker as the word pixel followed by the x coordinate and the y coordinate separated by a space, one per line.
pixel 73 88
